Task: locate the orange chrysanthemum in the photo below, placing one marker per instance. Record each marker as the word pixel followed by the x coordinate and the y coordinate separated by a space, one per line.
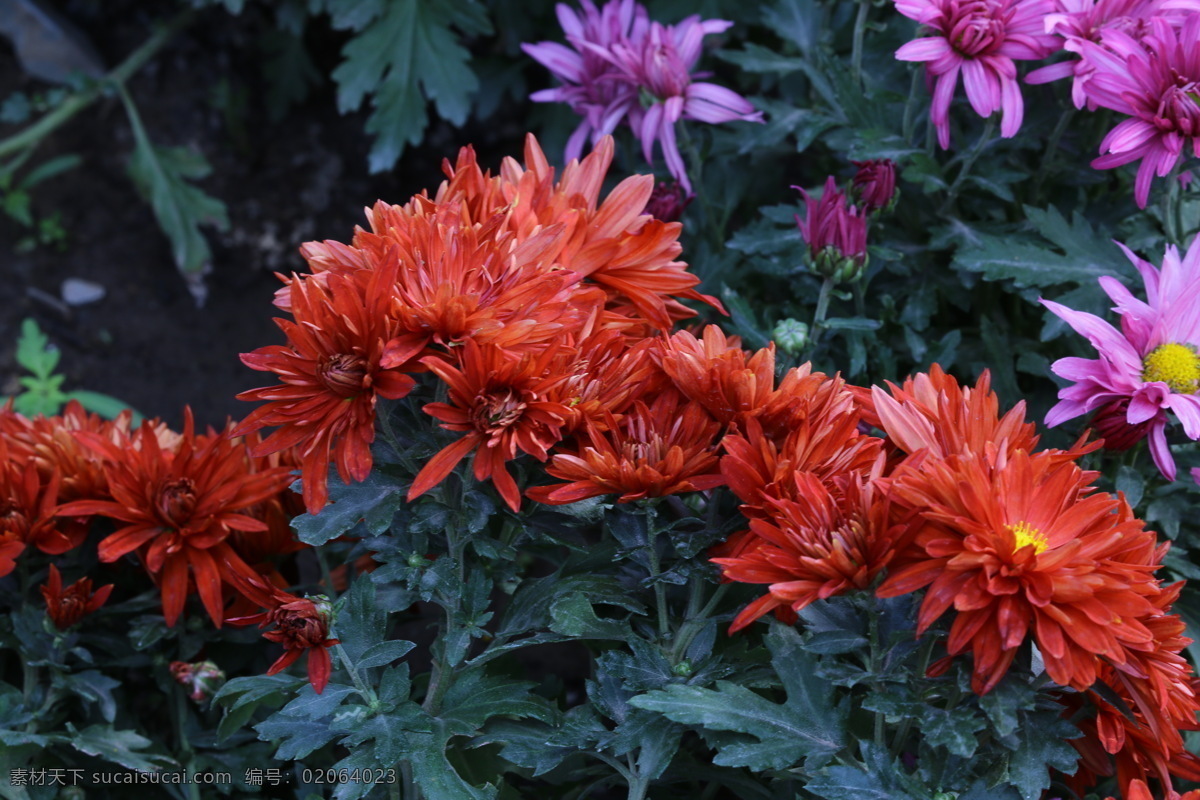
pixel 27 512
pixel 332 377
pixel 728 382
pixel 66 607
pixel 180 508
pixel 301 626
pixel 1022 547
pixel 505 403
pixel 612 244
pixel 666 448
pixel 817 545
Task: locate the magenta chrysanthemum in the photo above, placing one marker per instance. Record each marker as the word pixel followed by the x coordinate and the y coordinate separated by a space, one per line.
pixel 1156 81
pixel 591 84
pixel 1079 21
pixel 981 40
pixel 627 67
pixel 1152 363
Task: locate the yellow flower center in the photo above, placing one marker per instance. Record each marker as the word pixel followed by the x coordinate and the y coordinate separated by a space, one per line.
pixel 1025 534
pixel 1176 365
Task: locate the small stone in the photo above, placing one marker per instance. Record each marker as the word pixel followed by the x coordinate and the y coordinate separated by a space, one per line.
pixel 78 292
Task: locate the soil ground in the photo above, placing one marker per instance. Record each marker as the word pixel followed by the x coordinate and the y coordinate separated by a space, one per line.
pixel 284 183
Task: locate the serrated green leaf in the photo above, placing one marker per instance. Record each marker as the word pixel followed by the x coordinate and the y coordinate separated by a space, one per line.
pixel 383 653
pixel 360 623
pixel 162 176
pixel 118 747
pixel 1043 744
pixel 374 500
pixel 474 698
pixel 573 615
pixel 436 776
pixel 34 352
pixel 848 783
pixel 402 58
pixel 309 705
pixel 94 687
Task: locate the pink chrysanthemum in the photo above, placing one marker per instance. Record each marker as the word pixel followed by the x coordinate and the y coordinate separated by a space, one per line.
pixel 981 39
pixel 1152 363
pixel 1156 81
pixel 591 84
pixel 1078 21
pixel 661 64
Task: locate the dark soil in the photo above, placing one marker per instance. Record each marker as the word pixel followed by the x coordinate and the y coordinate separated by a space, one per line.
pixel 305 177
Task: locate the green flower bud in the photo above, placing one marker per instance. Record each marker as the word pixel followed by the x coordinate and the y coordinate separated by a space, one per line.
pixel 791 335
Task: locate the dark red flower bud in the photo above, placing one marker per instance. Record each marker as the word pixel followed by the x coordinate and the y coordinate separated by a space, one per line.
pixel 67 606
pixel 202 678
pixel 667 202
pixel 875 184
pixel 836 234
pixel 1111 422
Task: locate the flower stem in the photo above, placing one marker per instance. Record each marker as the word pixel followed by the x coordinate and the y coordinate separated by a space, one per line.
pixel 179 717
pixel 860 27
pixel 1172 210
pixel 910 105
pixel 969 161
pixel 72 105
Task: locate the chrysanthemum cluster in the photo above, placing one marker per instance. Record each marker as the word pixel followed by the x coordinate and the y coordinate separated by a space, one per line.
pixel 1139 58
pixel 624 68
pixel 1013 542
pixel 197 511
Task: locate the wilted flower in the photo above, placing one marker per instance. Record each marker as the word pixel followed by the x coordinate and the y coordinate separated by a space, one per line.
pixel 836 234
pixel 301 626
pixel 66 607
pixel 875 183
pixel 1156 81
pixel 202 679
pixel 981 40
pixel 592 85
pixel 1152 363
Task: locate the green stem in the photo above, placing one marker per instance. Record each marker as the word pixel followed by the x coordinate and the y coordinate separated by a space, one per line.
pixel 923 656
pixel 365 691
pixel 442 674
pixel 877 688
pixel 1052 148
pixel 638 784
pixel 28 686
pixel 179 717
pixel 910 105
pixel 695 623
pixel 660 593
pixel 860 27
pixel 1173 208
pixel 988 130
pixel 72 105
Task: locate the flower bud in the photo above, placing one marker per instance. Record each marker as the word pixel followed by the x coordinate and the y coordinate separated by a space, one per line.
pixel 875 184
pixel 202 679
pixel 667 202
pixel 1112 424
pixel 836 235
pixel 791 335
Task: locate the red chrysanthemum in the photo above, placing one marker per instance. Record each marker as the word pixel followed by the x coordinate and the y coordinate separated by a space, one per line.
pixel 332 377
pixel 66 607
pixel 27 512
pixel 179 509
pixel 301 626
pixel 665 448
pixel 817 545
pixel 730 383
pixel 1019 547
pixel 505 404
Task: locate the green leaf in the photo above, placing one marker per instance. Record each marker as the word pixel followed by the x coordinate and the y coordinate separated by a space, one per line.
pixel 375 500
pixel 474 698
pixel 849 783
pixel 34 352
pixel 1132 482
pixel 383 653
pixel 359 623
pixel 118 747
pixel 806 726
pixel 572 615
pixel 94 687
pixel 1043 744
pixel 406 50
pixel 436 776
pixel 162 176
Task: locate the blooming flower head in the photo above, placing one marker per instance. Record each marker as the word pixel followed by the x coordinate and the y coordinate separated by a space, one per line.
pixel 178 509
pixel 816 544
pixel 982 40
pixel 1156 82
pixel 301 626
pixel 1078 21
pixel 660 65
pixel 1023 547
pixel 66 607
pixel 503 403
pixel 835 232
pixel 331 377
pixel 665 448
pixel 591 84
pixel 1152 363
